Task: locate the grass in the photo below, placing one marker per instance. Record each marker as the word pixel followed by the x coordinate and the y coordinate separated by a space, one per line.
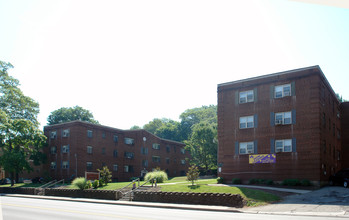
pixel 253 197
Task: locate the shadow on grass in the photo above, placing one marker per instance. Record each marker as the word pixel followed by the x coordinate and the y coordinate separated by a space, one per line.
pixel 194 186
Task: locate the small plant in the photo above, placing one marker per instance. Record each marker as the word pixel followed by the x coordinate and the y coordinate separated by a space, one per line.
pixel 269 182
pixel 236 181
pixel 95 184
pixel 88 185
pixel 220 180
pixel 291 182
pixel 80 182
pixel 193 174
pixel 159 175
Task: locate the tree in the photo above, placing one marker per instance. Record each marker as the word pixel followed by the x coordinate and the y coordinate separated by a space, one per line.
pixel 169 130
pixel 70 114
pixel 203 146
pixel 135 127
pixel 155 124
pixel 105 175
pixel 21 138
pixel 340 98
pixel 193 174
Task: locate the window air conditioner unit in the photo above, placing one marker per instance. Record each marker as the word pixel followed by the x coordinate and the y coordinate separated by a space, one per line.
pixel 250 152
pixel 287 94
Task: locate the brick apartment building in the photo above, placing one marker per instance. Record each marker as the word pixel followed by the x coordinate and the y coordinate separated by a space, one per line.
pixel 280 126
pixel 76 147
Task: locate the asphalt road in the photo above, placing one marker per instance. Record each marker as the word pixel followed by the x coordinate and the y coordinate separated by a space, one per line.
pixel 27 208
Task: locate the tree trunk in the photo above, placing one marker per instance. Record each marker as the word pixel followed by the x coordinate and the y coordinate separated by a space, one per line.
pixel 17 177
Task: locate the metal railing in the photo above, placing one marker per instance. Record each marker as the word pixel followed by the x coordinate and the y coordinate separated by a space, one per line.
pixel 135 188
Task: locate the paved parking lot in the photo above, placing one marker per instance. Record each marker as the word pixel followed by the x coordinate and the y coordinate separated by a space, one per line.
pixel 328 201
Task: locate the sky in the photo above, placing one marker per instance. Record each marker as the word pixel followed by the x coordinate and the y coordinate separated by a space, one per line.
pixel 129 62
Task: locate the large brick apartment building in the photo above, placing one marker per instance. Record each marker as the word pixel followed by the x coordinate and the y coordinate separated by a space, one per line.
pixel 76 147
pixel 281 126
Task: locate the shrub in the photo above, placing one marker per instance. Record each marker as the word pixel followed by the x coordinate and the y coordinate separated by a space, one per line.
pixel 193 174
pixel 89 184
pixel 236 181
pixel 220 180
pixel 269 182
pixel 80 182
pixel 159 175
pixel 95 184
pixel 253 181
pixel 306 182
pixel 105 175
pixel 291 182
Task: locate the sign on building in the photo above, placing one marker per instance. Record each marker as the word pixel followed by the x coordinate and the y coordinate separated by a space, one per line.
pixel 262 158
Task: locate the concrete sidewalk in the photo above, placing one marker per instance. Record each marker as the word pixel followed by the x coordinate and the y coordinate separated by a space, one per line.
pixel 328 201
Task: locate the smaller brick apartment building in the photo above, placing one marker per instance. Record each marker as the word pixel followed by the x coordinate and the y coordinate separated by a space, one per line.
pixel 76 147
pixel 281 126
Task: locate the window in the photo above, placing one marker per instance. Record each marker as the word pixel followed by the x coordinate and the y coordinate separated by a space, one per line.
pixel 283 118
pixel 115 167
pixel 246 122
pixel 53 134
pixel 103 151
pixel 183 162
pixel 103 135
pixel 182 150
pixel 89 149
pixel 89 133
pixel 129 155
pixel 128 169
pixel 156 146
pixel 89 166
pixel 144 150
pixel 246 96
pixel 168 149
pixel 65 133
pixel 53 150
pixel 282 91
pixel 145 163
pixel 246 148
pixel 115 153
pixel 53 165
pixel 65 149
pixel 156 159
pixel 129 141
pixel 115 138
pixel 283 145
pixel 168 160
pixel 65 165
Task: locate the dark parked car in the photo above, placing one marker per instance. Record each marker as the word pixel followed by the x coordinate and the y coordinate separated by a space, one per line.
pixel 340 178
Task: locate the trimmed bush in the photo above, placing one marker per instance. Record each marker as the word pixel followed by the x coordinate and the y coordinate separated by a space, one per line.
pixel 95 184
pixel 159 175
pixel 220 180
pixel 306 182
pixel 80 182
pixel 236 181
pixel 269 182
pixel 291 182
pixel 253 181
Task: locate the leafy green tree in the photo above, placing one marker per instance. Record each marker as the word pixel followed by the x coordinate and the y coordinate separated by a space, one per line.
pixel 155 124
pixel 193 174
pixel 135 127
pixel 105 175
pixel 340 98
pixel 21 138
pixel 203 146
pixel 169 130
pixel 70 114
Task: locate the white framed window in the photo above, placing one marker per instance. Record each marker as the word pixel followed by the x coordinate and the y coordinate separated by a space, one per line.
pixel 144 150
pixel 65 133
pixel 53 150
pixel 128 169
pixel 89 133
pixel 89 149
pixel 156 146
pixel 115 138
pixel 246 96
pixel 183 162
pixel 145 163
pixel 65 165
pixel 182 150
pixel 246 148
pixel 129 155
pixel 65 149
pixel 246 122
pixel 53 165
pixel 53 134
pixel 282 91
pixel 283 145
pixel 283 118
pixel 156 159
pixel 129 141
pixel 89 165
pixel 115 167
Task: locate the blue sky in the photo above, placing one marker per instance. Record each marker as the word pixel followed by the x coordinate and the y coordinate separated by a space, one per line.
pixel 131 61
